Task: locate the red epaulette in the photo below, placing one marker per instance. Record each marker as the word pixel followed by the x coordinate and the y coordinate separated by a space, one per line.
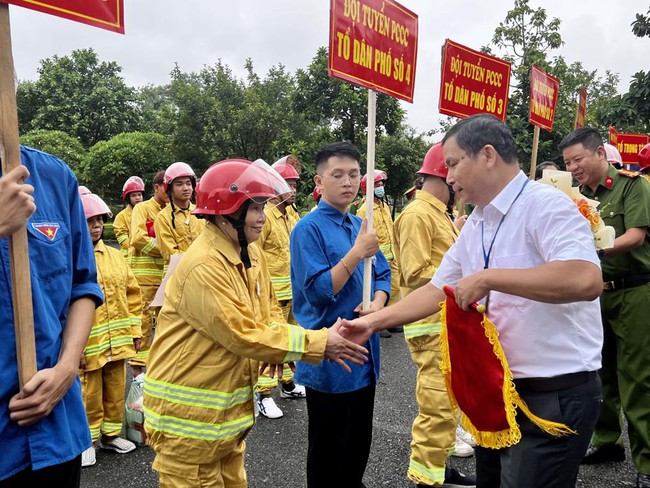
pixel 628 173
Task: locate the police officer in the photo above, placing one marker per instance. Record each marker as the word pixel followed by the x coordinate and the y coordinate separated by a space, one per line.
pixel 625 303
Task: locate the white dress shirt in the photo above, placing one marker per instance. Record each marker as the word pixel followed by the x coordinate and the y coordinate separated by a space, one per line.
pixel 542 224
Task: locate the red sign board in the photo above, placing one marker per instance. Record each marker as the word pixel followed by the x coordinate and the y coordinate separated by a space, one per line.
pixel 582 109
pixel 473 83
pixel 628 145
pixel 106 14
pixel 543 98
pixel 374 43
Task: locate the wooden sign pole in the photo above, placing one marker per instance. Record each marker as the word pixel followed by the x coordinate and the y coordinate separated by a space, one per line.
pixel 533 156
pixel 18 251
pixel 370 192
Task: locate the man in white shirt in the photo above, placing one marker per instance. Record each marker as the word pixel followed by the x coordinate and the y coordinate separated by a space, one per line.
pixel 526 248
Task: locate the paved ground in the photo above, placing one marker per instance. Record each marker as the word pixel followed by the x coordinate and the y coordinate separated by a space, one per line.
pixel 276 448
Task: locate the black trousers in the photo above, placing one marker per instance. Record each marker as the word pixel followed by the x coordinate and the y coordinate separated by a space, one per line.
pixel 339 437
pixel 64 475
pixel 540 460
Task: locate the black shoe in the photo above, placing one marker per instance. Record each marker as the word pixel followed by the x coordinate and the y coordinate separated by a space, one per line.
pixel 609 453
pixel 385 334
pixel 454 478
pixel 643 480
pixel 396 330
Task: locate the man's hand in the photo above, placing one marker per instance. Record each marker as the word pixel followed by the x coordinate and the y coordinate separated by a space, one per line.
pixel 40 395
pixel 367 243
pixel 375 306
pixel 279 368
pixel 339 349
pixel 16 201
pixel 473 288
pixel 357 330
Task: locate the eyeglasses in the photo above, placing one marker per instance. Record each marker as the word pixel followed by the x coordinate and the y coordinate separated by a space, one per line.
pixel 340 179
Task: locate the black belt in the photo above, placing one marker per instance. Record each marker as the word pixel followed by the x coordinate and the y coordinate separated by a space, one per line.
pixel 626 282
pixel 554 383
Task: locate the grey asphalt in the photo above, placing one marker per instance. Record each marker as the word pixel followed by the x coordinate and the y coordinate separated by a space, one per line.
pixel 276 449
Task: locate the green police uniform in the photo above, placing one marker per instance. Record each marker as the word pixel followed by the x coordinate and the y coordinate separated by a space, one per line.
pixel 625 304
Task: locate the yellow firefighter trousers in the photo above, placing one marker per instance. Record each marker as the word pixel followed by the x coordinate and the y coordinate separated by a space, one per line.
pixel 227 472
pixel 103 395
pixel 434 429
pixel 148 315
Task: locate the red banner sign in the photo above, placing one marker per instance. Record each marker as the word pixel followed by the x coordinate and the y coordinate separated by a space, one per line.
pixel 106 14
pixel 374 43
pixel 543 98
pixel 582 109
pixel 628 145
pixel 473 83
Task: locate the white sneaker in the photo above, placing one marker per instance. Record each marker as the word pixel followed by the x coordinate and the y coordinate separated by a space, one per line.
pixel 268 408
pixel 88 457
pixel 297 392
pixel 461 449
pixel 119 445
pixel 465 436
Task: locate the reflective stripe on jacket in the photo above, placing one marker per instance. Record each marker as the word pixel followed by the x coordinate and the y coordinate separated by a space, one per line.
pixel 274 241
pixel 145 258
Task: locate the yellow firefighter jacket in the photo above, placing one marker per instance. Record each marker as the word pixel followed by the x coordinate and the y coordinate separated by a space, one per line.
pixel 122 229
pixel 383 224
pixel 274 241
pixel 117 321
pixel 423 234
pixel 145 258
pixel 293 212
pixel 176 237
pixel 217 322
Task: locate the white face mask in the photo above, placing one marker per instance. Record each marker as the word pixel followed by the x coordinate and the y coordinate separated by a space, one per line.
pixel 380 192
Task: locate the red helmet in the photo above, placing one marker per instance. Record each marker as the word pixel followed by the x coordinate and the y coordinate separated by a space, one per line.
pixel 134 183
pixel 83 190
pixel 379 176
pixel 178 170
pixel 434 162
pixel 317 193
pixel 93 206
pixel 291 160
pixel 226 185
pixel 287 171
pixel 644 157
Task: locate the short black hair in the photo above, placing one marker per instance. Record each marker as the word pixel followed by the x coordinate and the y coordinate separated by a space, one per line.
pixel 587 136
pixel 539 171
pixel 159 178
pixel 340 149
pixel 474 133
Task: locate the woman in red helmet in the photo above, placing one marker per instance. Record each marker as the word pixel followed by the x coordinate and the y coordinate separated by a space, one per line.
pixel 132 194
pixel 219 320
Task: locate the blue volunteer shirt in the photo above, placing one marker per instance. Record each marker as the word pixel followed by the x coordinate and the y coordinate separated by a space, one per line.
pixel 62 270
pixel 318 242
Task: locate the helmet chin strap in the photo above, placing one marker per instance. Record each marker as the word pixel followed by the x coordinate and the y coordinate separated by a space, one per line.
pixel 239 225
pixel 450 202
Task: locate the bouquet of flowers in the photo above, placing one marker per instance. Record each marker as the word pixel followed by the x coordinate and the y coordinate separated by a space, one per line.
pixel 604 235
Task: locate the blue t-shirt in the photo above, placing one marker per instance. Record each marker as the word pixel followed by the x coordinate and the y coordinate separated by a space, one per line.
pixel 62 265
pixel 318 242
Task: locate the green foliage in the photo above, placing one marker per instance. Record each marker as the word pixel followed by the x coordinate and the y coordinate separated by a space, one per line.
pixel 529 38
pixel 57 143
pixel 641 25
pixel 79 95
pixel 110 163
pixel 400 155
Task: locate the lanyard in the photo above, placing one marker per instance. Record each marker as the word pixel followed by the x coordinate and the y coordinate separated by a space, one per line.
pixel 486 255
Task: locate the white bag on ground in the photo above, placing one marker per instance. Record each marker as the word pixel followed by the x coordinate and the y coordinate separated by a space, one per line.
pixel 134 412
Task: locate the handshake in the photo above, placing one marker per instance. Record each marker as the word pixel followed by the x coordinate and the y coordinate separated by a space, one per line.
pixel 345 339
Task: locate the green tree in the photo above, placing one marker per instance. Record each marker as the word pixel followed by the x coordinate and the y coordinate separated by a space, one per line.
pixel 110 163
pixel 641 25
pixel 57 143
pixel 526 37
pixel 400 155
pixel 157 109
pixel 342 106
pixel 80 95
